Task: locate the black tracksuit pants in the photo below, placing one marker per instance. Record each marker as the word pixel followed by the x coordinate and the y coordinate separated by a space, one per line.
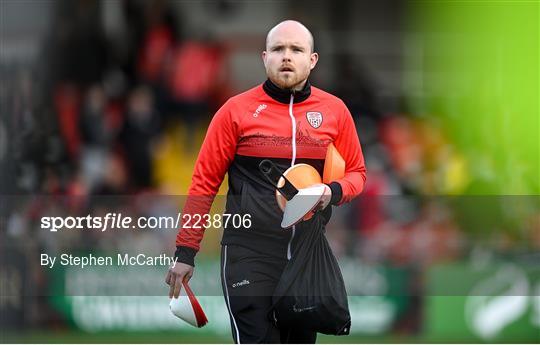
pixel 248 281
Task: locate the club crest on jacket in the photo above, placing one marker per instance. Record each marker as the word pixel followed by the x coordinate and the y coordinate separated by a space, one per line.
pixel 314 118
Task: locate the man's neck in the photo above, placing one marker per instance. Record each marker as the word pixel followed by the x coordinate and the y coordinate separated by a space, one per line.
pixel 299 87
pixel 284 95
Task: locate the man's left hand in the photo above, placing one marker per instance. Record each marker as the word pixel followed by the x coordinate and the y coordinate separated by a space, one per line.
pixel 325 200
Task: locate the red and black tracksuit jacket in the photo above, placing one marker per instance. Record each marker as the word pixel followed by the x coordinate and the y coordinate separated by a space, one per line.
pixel 287 127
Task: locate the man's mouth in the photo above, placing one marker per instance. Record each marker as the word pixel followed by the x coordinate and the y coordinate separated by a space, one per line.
pixel 286 69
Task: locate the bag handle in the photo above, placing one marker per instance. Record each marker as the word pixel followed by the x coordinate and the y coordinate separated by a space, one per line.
pixel 273 175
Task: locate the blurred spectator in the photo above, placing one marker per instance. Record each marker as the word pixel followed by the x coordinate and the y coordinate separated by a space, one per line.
pixel 356 87
pixel 115 176
pixel 78 46
pixel 140 129
pixel 93 126
pixel 66 105
pixel 157 42
pixel 194 76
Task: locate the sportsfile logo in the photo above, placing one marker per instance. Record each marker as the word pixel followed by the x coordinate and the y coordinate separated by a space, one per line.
pixel 259 109
pixel 118 221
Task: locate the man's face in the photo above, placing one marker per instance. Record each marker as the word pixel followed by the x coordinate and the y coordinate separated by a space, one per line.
pixel 288 59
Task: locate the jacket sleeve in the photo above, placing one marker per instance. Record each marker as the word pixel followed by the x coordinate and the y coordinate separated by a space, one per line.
pixel 216 154
pixel 348 145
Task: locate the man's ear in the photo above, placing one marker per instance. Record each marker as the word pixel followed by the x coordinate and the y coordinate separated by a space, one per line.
pixel 314 58
pixel 263 56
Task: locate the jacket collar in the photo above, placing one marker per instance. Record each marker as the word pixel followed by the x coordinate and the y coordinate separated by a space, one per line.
pixel 284 95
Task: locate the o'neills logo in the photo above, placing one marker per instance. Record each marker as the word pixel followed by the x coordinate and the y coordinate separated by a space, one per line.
pixel 314 118
pixel 259 109
pixel 242 283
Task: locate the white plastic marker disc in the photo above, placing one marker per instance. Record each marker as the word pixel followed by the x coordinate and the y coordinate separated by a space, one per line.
pixel 301 204
pixel 187 308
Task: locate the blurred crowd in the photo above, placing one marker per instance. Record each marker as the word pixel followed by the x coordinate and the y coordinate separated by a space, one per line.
pixel 106 103
pixel 123 111
pixel 123 114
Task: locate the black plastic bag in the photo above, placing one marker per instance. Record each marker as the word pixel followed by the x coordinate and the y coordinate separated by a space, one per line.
pixel 311 292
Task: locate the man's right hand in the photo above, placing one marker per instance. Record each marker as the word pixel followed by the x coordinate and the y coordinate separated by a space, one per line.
pixel 177 274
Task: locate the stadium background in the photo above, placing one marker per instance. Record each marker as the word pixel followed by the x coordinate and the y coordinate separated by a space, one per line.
pixel 112 98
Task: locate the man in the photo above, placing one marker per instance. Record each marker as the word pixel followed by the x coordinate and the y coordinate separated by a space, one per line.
pixel 287 121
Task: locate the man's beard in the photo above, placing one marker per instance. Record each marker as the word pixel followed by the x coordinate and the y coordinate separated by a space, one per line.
pixel 287 83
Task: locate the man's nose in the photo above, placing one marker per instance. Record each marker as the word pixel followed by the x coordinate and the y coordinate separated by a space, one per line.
pixel 286 55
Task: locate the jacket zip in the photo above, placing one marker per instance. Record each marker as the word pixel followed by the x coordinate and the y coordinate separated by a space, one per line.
pixel 293 121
